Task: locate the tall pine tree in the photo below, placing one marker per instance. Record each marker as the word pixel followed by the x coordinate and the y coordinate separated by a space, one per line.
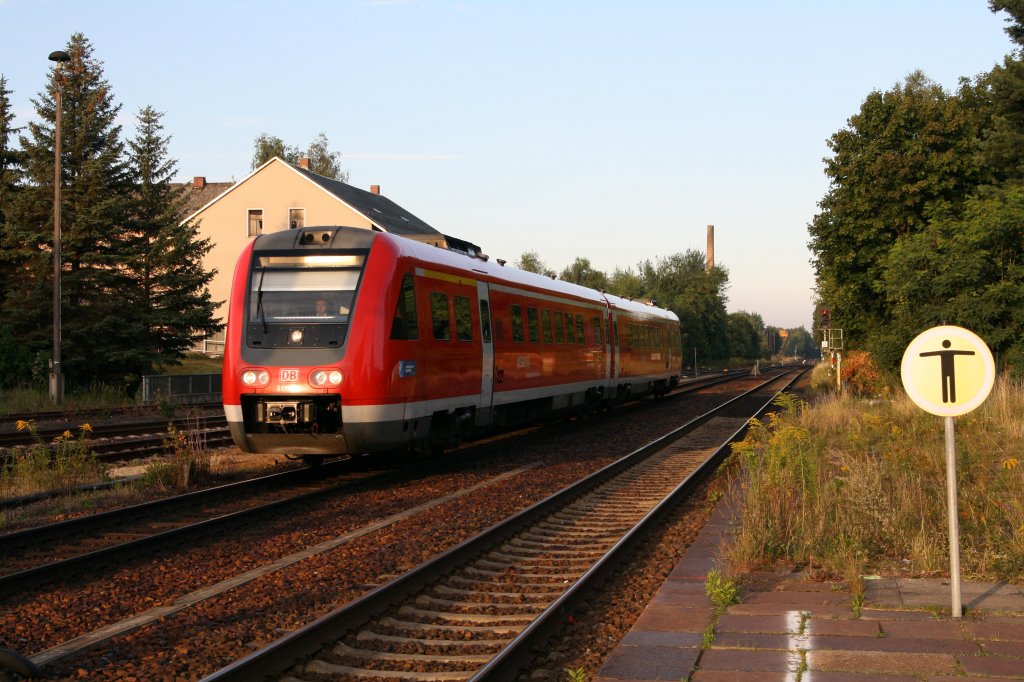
pixel 15 359
pixel 96 326
pixel 169 283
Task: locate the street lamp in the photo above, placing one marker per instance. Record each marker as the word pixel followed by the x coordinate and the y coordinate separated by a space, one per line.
pixel 56 379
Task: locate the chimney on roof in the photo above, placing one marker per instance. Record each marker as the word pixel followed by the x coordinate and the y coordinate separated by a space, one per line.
pixel 711 248
pixel 374 189
pixel 198 182
pixel 304 163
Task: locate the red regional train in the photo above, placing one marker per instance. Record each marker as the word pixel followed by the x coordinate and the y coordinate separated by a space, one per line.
pixel 342 340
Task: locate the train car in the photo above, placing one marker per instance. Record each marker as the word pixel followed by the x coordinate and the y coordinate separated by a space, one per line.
pixel 342 340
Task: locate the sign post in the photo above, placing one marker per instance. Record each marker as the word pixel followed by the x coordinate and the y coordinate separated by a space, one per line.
pixel 948 371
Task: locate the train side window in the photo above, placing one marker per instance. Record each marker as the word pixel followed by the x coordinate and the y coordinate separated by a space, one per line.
pixel 597 331
pixel 534 325
pixel 439 316
pixel 485 321
pixel 403 326
pixel 558 327
pixel 545 324
pixel 463 319
pixel 570 335
pixel 579 329
pixel 517 323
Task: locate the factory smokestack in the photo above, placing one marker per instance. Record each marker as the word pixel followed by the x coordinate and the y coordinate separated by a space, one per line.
pixel 711 248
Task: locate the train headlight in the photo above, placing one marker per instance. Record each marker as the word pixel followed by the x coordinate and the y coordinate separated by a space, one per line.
pixel 255 378
pixel 295 336
pixel 325 378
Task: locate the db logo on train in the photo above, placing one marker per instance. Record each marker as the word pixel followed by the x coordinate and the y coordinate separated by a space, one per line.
pixel 289 375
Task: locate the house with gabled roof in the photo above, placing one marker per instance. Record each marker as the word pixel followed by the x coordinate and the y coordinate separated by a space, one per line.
pixel 280 196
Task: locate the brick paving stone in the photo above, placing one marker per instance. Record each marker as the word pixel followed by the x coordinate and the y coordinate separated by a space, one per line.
pixel 746 609
pixel 847 628
pixel 757 640
pixel 751 661
pixel 805 600
pixel 694 567
pixel 811 586
pixel 741 676
pixel 998 631
pixel 895 644
pixel 939 629
pixel 674 618
pixel 1005 649
pixel 890 614
pixel 656 638
pixel 700 601
pixel 881 662
pixel 991 665
pixel 846 676
pixel 649 663
pixel 731 622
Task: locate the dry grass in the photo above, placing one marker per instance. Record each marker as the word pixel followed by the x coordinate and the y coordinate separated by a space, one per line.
pixel 850 486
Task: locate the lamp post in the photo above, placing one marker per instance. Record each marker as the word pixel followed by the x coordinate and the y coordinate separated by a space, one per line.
pixel 56 378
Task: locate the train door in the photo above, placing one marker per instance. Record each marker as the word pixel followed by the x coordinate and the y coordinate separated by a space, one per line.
pixel 616 357
pixel 483 412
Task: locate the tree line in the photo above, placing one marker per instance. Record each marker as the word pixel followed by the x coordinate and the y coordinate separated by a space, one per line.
pixel 683 284
pixel 923 221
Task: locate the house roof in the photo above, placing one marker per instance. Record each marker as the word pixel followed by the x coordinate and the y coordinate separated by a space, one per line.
pixel 199 193
pixel 380 210
pixel 385 214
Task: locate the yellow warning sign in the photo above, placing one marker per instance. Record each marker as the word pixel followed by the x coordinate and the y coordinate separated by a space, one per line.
pixel 948 371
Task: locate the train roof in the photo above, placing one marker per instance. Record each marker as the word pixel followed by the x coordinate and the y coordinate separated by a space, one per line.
pixel 515 276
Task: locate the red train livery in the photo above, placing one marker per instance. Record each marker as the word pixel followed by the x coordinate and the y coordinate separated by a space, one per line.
pixel 342 340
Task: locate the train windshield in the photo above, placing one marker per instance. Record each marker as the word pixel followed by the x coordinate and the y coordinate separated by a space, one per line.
pixel 306 289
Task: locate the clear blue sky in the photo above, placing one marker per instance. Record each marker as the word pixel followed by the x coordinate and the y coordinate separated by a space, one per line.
pixel 613 131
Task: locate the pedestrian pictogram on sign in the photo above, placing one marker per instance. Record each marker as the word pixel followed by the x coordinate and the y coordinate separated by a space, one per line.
pixel 948 371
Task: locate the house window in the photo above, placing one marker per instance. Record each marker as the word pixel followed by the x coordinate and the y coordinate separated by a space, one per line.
pixel 296 218
pixel 255 222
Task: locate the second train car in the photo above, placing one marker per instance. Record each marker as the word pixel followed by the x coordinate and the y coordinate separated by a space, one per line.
pixel 342 340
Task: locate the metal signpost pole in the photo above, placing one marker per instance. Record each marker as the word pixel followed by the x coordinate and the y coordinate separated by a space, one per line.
pixel 954 522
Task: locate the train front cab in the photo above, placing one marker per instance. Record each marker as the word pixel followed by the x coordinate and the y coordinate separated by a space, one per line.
pixel 294 307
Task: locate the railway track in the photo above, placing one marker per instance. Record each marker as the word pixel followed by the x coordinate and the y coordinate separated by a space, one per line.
pixel 476 611
pixel 119 442
pixel 78 545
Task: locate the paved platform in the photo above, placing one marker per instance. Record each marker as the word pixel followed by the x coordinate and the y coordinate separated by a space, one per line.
pixel 790 628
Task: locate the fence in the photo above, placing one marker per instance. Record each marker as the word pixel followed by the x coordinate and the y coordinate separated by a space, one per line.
pixel 181 388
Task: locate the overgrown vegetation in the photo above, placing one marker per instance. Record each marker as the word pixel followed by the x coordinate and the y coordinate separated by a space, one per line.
pixel 189 465
pixel 850 486
pixel 64 464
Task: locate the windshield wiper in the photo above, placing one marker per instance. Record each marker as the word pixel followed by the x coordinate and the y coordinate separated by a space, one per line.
pixel 259 301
